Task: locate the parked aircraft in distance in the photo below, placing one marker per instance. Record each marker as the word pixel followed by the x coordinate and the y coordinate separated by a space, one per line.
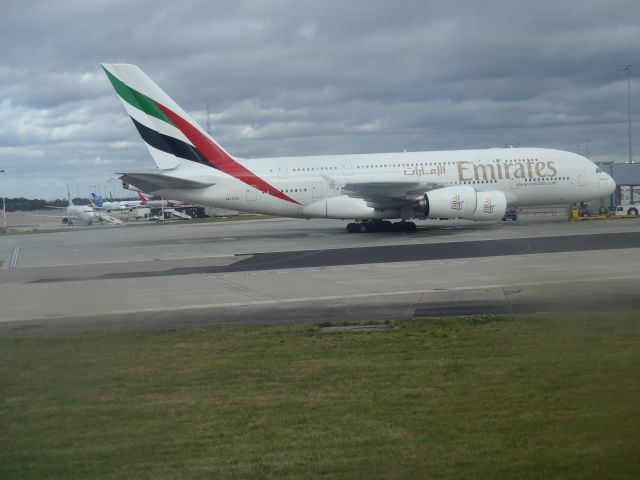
pixel 82 213
pixel 368 188
pixel 118 205
pixel 99 203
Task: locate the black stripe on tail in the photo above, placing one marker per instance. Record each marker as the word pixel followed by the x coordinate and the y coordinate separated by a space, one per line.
pixel 170 145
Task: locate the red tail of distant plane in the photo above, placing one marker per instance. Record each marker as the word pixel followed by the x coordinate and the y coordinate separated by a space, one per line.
pixel 143 199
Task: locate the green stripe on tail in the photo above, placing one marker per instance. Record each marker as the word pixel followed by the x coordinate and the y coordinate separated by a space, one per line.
pixel 137 99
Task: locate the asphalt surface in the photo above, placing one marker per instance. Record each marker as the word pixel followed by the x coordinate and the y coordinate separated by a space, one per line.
pixel 295 271
pixel 387 254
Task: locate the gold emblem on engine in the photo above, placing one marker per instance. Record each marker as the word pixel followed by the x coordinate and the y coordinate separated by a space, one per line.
pixel 456 202
pixel 488 206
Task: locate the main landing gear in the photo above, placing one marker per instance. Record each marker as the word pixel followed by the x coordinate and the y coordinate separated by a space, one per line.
pixel 380 226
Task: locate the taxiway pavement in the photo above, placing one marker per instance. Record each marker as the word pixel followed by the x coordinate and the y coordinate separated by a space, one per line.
pixel 285 270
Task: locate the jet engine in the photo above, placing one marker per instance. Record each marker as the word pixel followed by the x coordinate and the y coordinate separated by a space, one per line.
pixel 490 205
pixel 463 202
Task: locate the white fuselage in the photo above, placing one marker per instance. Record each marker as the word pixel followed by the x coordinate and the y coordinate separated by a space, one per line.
pixel 123 205
pixel 83 213
pixel 527 176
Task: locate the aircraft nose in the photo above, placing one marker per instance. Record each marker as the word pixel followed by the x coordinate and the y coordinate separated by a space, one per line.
pixel 611 185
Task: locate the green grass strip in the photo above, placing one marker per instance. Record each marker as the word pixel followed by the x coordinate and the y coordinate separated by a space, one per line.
pixel 522 397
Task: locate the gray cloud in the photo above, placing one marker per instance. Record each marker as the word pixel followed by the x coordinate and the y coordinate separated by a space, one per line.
pixel 302 77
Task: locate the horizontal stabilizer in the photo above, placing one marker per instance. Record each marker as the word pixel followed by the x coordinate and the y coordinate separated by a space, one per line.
pixel 152 182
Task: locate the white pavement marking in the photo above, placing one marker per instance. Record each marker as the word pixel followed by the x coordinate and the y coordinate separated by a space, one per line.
pixel 14 258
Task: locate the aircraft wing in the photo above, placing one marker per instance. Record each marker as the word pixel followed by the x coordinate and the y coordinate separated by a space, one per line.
pixel 152 182
pixel 43 215
pixel 388 194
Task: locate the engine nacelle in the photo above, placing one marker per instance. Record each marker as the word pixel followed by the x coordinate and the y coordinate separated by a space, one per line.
pixel 490 205
pixel 463 202
pixel 449 202
pixel 128 186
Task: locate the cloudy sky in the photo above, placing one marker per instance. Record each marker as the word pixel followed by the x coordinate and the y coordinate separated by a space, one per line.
pixel 310 77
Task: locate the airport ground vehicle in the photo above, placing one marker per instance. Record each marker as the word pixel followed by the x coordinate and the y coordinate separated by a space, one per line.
pixel 628 209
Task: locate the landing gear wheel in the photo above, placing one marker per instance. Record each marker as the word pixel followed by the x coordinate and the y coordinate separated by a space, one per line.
pixel 386 226
pixel 632 212
pixel 380 226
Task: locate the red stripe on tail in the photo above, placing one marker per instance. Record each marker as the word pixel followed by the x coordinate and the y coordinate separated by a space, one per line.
pixel 219 158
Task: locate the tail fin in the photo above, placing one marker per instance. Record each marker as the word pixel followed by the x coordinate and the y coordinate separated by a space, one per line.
pixel 69 199
pixel 170 134
pixel 142 198
pixel 173 138
pixel 96 200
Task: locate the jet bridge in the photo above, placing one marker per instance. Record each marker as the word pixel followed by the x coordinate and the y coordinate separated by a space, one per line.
pixel 627 178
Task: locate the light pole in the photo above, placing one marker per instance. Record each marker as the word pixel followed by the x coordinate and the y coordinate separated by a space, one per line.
pixel 4 211
pixel 628 69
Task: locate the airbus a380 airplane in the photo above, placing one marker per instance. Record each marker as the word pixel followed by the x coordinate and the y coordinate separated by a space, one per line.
pixel 369 188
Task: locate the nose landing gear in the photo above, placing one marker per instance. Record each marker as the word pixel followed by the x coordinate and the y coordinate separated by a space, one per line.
pixel 369 226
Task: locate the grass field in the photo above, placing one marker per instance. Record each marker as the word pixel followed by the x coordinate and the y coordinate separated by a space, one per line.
pixel 538 396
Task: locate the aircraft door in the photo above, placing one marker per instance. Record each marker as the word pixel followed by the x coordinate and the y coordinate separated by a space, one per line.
pixel 582 179
pixel 346 167
pixel 283 171
pixel 316 190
